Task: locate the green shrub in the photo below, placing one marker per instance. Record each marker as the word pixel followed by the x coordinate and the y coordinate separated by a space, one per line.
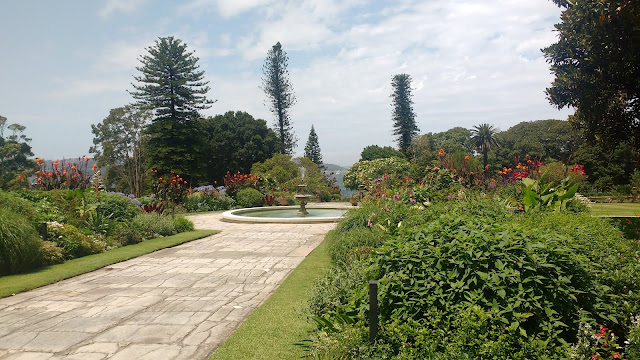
pixel 355 244
pixel 333 289
pixel 73 242
pixel 13 202
pixel 20 243
pixel 128 235
pixel 249 197
pixel 51 254
pixel 364 172
pixel 524 279
pixel 181 224
pixel 610 259
pixel 153 224
pixel 117 207
pixel 203 202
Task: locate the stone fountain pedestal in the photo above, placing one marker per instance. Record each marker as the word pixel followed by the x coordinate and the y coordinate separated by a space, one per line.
pixel 304 199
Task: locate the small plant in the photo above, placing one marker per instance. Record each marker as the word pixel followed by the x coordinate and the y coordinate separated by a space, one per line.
pixel 180 224
pixel 536 195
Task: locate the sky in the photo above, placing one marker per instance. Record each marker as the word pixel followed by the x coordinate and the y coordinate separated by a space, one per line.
pixel 65 64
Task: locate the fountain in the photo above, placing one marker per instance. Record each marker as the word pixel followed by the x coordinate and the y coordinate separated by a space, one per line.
pixel 301 196
pixel 290 214
pixel 303 199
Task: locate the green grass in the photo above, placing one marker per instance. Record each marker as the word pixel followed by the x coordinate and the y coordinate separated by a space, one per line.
pixel 273 329
pixel 615 209
pixel 14 284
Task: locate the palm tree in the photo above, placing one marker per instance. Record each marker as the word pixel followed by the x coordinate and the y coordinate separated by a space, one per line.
pixel 483 137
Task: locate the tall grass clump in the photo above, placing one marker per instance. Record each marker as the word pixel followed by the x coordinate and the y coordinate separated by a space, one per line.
pixel 19 243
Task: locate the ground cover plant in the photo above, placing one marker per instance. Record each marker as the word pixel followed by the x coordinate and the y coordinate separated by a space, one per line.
pixel 473 275
pixel 79 222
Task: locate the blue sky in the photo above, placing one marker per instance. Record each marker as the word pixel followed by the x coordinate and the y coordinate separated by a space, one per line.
pixel 65 64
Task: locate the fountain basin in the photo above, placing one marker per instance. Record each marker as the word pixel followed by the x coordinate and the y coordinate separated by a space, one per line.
pixel 286 214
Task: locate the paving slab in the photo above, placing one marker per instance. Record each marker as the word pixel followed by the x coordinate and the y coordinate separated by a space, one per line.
pixel 177 303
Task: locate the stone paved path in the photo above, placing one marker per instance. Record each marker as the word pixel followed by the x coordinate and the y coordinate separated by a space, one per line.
pixel 177 303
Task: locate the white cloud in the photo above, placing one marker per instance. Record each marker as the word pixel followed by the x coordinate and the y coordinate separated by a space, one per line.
pixel 70 88
pixel 126 6
pixel 225 8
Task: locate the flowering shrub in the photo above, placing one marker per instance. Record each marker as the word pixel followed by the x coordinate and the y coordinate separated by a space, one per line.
pixel 74 243
pixel 365 172
pixel 208 198
pixel 170 189
pixel 236 182
pixel 595 345
pixel 64 175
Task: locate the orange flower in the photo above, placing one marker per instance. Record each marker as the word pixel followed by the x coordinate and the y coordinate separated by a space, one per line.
pixel 56 163
pixel 95 166
pixel 466 157
pixel 39 161
pixel 441 152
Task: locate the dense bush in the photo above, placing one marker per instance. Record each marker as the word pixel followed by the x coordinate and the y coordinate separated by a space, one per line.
pixel 202 201
pixel 117 207
pixel 470 278
pixel 20 243
pixel 249 198
pixel 128 235
pixel 180 224
pixel 524 278
pixel 153 224
pixel 74 243
pixel 365 172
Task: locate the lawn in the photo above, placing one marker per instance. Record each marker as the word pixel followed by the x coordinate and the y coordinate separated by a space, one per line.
pixel 616 209
pixel 14 284
pixel 273 329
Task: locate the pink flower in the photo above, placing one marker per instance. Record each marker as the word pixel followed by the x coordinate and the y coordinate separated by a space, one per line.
pixel 396 197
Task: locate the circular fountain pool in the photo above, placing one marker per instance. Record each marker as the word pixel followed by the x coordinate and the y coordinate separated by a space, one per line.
pixel 286 214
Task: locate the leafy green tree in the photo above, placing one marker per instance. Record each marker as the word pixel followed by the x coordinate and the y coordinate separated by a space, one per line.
pixel 597 67
pixel 235 141
pixel 484 138
pixel 14 153
pixel 279 167
pixel 605 166
pixel 279 90
pixel 454 140
pixel 372 152
pixel 312 149
pixel 172 86
pixel 544 140
pixel 118 144
pixel 403 116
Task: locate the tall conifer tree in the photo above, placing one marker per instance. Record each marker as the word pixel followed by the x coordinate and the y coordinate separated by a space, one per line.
pixel 404 118
pixel 312 149
pixel 171 85
pixel 279 90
